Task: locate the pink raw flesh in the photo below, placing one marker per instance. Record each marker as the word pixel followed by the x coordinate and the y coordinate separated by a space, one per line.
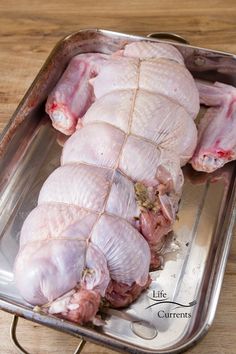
pixel 79 305
pixel 217 129
pixel 73 94
pixel 121 295
pixel 83 306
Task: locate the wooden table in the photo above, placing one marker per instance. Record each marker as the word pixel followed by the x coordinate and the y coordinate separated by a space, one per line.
pixel 28 31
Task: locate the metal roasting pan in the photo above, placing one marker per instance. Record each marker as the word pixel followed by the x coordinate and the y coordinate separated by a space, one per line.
pixel 185 293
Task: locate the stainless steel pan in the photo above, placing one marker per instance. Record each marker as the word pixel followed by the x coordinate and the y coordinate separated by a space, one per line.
pixel 180 305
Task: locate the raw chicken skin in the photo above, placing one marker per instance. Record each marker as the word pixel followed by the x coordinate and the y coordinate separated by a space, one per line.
pixel 159 76
pixel 115 196
pixel 149 50
pixel 72 97
pixel 217 129
pixel 167 129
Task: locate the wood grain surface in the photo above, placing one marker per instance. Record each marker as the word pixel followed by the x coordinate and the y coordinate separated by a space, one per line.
pixel 28 31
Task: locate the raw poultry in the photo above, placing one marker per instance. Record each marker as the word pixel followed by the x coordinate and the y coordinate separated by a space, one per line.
pixel 102 216
pixel 217 129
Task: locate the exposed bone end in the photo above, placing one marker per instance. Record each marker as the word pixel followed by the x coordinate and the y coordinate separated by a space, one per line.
pixel 79 306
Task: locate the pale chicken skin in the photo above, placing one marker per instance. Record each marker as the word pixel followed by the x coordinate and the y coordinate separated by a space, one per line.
pixel 217 129
pixel 103 214
pixel 73 96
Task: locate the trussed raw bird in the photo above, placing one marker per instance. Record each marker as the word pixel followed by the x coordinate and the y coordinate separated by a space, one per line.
pixel 115 195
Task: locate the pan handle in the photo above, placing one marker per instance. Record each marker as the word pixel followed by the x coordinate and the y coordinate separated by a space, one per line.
pixel 22 350
pixel 169 36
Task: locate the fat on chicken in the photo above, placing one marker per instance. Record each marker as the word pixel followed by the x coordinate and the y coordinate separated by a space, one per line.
pixel 103 215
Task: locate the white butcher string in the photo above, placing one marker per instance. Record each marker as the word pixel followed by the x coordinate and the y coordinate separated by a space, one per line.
pixel 91 211
pixel 120 152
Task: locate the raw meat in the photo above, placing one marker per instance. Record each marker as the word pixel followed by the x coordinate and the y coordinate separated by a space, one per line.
pixel 72 97
pixel 115 196
pixel 217 129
